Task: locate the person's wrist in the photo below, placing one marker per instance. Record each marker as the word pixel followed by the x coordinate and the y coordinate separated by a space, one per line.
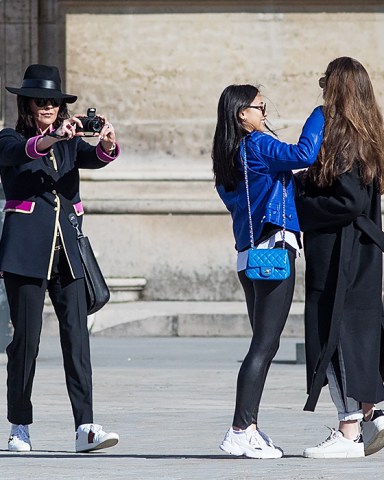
pixel 55 135
pixel 110 149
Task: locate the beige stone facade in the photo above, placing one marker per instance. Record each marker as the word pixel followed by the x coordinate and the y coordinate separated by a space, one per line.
pixel 156 69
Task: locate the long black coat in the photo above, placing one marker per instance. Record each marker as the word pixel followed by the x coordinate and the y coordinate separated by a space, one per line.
pixel 343 304
pixel 34 194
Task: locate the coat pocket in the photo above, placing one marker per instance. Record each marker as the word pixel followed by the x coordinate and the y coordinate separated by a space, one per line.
pixel 20 206
pixel 78 207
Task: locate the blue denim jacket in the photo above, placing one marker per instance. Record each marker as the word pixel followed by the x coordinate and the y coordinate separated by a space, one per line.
pixel 267 158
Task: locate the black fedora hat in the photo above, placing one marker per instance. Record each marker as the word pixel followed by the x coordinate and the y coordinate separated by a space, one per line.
pixel 42 81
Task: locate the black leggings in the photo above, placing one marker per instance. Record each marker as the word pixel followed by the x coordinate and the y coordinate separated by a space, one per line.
pixel 268 304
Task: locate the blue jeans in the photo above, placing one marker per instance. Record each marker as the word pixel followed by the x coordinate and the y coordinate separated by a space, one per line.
pixel 347 408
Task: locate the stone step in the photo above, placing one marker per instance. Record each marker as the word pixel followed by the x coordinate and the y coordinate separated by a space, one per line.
pixel 114 192
pixel 182 319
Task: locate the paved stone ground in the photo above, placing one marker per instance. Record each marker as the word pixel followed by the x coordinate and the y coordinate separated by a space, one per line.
pixel 171 400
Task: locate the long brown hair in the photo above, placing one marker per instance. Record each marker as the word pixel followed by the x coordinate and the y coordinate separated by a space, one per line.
pixel 354 130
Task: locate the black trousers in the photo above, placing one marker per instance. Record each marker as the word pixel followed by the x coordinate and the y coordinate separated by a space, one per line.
pixel 268 304
pixel 26 302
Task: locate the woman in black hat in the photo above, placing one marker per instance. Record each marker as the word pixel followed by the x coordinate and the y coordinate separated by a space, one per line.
pixel 39 167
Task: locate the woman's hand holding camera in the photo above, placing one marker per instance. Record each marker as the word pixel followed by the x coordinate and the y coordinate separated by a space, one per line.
pixel 73 127
pixel 107 136
pixel 67 129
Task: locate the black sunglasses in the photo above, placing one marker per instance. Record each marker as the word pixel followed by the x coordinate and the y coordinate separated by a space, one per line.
pixel 262 108
pixel 43 102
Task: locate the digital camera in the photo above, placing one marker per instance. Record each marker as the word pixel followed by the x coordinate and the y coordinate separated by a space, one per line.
pixel 91 123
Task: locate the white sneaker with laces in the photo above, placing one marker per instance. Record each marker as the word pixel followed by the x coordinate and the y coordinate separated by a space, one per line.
pixel 336 446
pixel 267 439
pixel 250 443
pixel 373 432
pixel 19 440
pixel 91 436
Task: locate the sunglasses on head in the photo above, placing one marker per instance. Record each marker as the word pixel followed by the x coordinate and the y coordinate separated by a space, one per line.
pixel 322 82
pixel 43 102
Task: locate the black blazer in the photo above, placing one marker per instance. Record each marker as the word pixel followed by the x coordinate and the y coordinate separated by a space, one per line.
pixel 34 193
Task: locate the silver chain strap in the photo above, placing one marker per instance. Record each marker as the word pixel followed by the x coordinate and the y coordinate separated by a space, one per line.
pixel 249 201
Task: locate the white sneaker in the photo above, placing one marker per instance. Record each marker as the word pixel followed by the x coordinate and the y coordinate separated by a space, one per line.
pixel 19 440
pixel 373 433
pixel 90 436
pixel 336 446
pixel 250 443
pixel 267 439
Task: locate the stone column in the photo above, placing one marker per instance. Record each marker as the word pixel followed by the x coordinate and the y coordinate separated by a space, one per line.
pixel 51 35
pixel 19 44
pixel 19 41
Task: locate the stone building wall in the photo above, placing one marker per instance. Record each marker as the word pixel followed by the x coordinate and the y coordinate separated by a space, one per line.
pixel 157 68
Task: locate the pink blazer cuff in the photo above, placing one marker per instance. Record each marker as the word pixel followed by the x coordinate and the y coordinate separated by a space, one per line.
pixel 31 150
pixel 104 157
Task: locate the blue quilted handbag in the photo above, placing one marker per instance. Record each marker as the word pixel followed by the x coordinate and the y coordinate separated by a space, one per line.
pixel 268 264
pixel 265 263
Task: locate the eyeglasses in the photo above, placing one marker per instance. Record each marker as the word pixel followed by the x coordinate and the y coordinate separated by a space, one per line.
pixel 322 82
pixel 262 108
pixel 43 102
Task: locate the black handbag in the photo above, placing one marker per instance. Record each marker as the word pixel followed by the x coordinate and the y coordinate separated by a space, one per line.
pixel 96 287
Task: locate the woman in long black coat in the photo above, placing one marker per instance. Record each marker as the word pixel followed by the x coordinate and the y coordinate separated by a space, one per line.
pixel 340 214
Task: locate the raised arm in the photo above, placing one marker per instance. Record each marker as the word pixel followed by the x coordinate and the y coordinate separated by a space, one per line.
pixel 279 156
